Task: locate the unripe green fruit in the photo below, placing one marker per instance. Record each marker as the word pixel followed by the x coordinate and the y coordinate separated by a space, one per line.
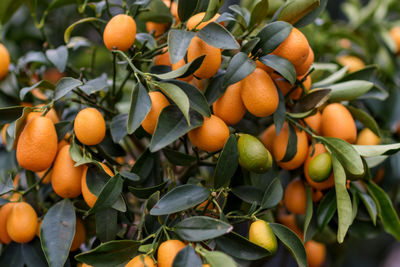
pixel 253 156
pixel 320 167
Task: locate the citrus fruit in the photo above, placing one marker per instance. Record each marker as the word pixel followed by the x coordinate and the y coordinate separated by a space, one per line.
pixel 158 103
pixel 303 68
pixel 163 59
pixel 211 209
pixel 353 63
pixel 286 87
pixel 196 19
pixel 317 150
pixel 167 252
pixel 37 145
pixel 295 197
pixel 314 122
pixel 395 35
pixel 5 61
pixel 141 261
pixel 66 178
pixel 229 107
pixel 120 32
pixel 320 167
pixel 79 236
pixel 4 133
pixel 289 220
pixel 261 234
pixel 212 59
pixel 211 136
pixel 88 196
pixel 4 213
pixel 53 75
pixel 280 144
pixel 253 156
pixel 317 195
pixel 46 179
pixel 89 126
pixel 22 223
pixel 367 137
pixel 338 122
pixel 51 114
pixel 179 64
pixel 268 136
pixel 157 28
pixel 259 94
pixel 316 253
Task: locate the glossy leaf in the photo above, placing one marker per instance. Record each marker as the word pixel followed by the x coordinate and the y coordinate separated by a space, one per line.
pixel 10 114
pixel 271 36
pixel 68 31
pixel 227 163
pixel 187 257
pixel 291 148
pixel 312 16
pixel 109 194
pixel 369 205
pixel 64 86
pixel 186 8
pixel 280 113
pixel 281 65
pixel 41 84
pixel 58 57
pixel 178 158
pixel 146 192
pixel 218 36
pixel 106 224
pixel 184 71
pixel 273 194
pixel 118 127
pixel 309 212
pixel 349 90
pixel 331 79
pixel 326 209
pixel 95 85
pixel 12 256
pixel 259 12
pixel 179 40
pixel 62 128
pixel 140 106
pixel 248 193
pixel 366 119
pixel 294 10
pixel 239 68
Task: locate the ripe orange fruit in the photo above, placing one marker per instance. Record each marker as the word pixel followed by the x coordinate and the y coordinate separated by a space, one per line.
pixel 195 19
pixel 53 75
pixel 37 145
pixel 80 235
pixel 120 32
pixel 317 195
pixel 211 62
pixel 3 133
pixel 4 213
pixel 173 7
pixel 157 28
pixel 163 59
pixel 267 69
pixel 90 126
pixel 211 210
pixel 259 94
pixel 22 223
pixel 289 220
pixel 314 122
pixel 286 87
pixel 66 178
pixel 338 122
pixel 141 261
pixel 211 136
pixel 353 63
pixel 279 148
pixel 5 61
pixel 295 48
pixel 395 35
pixel 229 107
pixel 303 68
pixel 46 179
pixel 261 234
pixel 295 197
pixel 268 136
pixel 316 253
pixel 318 149
pixel 52 115
pixel 368 138
pixel 167 252
pixel 88 196
pixel 179 64
pixel 158 103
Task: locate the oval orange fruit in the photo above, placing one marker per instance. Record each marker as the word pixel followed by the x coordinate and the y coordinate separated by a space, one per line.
pixel 338 122
pixel 22 223
pixel 90 126
pixel 229 107
pixel 196 19
pixel 158 103
pixel 5 61
pixel 120 32
pixel 167 252
pixel 211 62
pixel 295 197
pixel 88 196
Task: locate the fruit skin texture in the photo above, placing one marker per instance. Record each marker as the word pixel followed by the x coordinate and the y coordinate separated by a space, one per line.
pixel 295 48
pixel 22 223
pixel 320 167
pixel 90 126
pixel 295 197
pixel 229 107
pixel 4 213
pixel 88 196
pixel 253 155
pixel 330 182
pixel 303 68
pixel 261 234
pixel 353 63
pixel 5 61
pixel 158 28
pixel 37 145
pixel 268 136
pixel 195 19
pixel 167 252
pixel 259 94
pixel 316 253
pixel 158 103
pixel 395 35
pixel 211 62
pixel 138 261
pixel 163 59
pixel 211 136
pixel 80 235
pixel 338 122
pixel 315 122
pixel 280 145
pixel 65 178
pixel 368 138
pixel 120 32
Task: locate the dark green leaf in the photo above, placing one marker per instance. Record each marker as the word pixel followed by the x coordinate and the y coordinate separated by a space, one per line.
pixel 326 209
pixel 309 211
pixel 109 194
pixel 311 16
pixel 139 108
pixel 8 8
pixel 215 89
pixel 186 8
pixel 157 11
pixel 118 127
pixel 273 194
pixel 130 176
pixel 144 164
pixel 314 99
pixel 212 8
pixel 58 57
pixel 10 114
pixel 366 119
pixel 248 193
pixel 145 193
pixel 62 128
pixel 281 65
pixel 33 254
pixel 95 85
pixel 64 86
pixel 291 148
pixel 187 257
pixel 239 68
pixel 363 74
pixel 227 163
pixel 293 11
pixel 271 36
pixel 218 36
pixel 12 256
pixel 71 27
pixel 184 71
pixel 259 12
pixel 249 45
pixel 178 41
pixel 369 204
pixel 41 84
pixel 280 113
pixel 178 158
pixel 106 224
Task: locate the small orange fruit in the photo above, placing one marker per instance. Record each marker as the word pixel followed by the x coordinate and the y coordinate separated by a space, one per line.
pixel 316 253
pixel 211 62
pixel 196 19
pixel 167 252
pixel 268 136
pixel 37 145
pixel 5 61
pixel 120 32
pixel 367 138
pixel 395 35
pixel 52 115
pixel 163 59
pixel 4 213
pixel 229 107
pixel 157 28
pixel 286 87
pixel 66 178
pixel 353 63
pixel 46 179
pixel 80 235
pixel 158 103
pixel 314 122
pixel 22 223
pixel 88 196
pixel 211 136
pixel 338 122
pixel 89 126
pixel 303 68
pixel 289 220
pixel 53 75
pixel 295 197
pixel 259 94
pixel 141 261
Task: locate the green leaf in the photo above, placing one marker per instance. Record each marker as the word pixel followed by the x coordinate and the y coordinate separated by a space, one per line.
pixel 349 90
pixel 227 163
pixel 343 200
pixel 140 106
pixel 183 71
pixel 144 164
pixel 248 46
pixel 187 257
pixel 58 57
pixel 108 254
pixel 309 212
pixel 57 232
pixel 199 228
pixel 180 198
pixel 291 148
pixel 41 84
pixel 279 115
pixel 118 127
pixel 12 255
pixel 178 41
pixel 292 242
pixel 366 119
pixel 240 247
pixel 326 209
pixel 312 16
pixel 171 125
pixel 259 12
pixel 214 89
pixel 218 36
pixel 273 194
pixel 130 176
pixel 331 79
pixel 145 193
pixel 8 8
pixel 212 9
pixel 32 254
pixel 314 99
pixel 178 158
pixel 239 68
pixel 156 11
pixel 106 224
pixel 95 85
pixel 218 259
pixel 369 204
pixel 109 194
pixel 6 184
pixel 271 36
pixel 386 212
pixel 281 65
pixel 68 31
pixel 363 74
pixel 10 114
pixel 378 150
pixel 186 9
pixel 248 193
pixel 294 10
pixel 64 86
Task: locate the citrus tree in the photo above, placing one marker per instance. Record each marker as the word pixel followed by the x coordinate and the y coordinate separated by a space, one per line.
pixel 178 133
